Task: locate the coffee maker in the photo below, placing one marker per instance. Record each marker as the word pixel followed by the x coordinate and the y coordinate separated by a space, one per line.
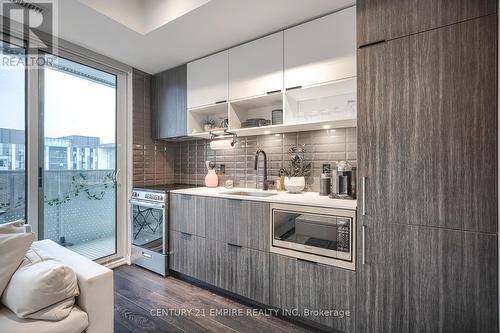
pixel 343 181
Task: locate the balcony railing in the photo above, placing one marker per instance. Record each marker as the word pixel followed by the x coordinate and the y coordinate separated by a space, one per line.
pixel 78 207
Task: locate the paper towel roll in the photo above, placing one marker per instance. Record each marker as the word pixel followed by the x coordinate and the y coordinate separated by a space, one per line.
pixel 222 144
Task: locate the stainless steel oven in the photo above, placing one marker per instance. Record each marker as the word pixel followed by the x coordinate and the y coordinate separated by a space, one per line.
pixel 323 235
pixel 149 225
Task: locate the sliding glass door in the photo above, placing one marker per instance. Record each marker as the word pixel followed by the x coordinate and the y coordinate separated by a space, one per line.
pixel 78 157
pixel 12 133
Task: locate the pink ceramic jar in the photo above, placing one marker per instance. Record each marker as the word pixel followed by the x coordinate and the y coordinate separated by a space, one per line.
pixel 211 179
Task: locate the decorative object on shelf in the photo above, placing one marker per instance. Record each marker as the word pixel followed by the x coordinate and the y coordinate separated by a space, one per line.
pixel 255 122
pixel 229 184
pixel 208 124
pixel 277 116
pixel 299 169
pixel 219 140
pixel 211 179
pixel 325 185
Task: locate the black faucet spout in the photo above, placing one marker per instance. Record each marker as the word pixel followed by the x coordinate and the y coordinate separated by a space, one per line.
pixel 265 185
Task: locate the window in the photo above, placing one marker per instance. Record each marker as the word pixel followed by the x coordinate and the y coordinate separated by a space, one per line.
pixel 12 134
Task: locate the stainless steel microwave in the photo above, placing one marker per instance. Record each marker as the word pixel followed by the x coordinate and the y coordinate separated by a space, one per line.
pixel 322 235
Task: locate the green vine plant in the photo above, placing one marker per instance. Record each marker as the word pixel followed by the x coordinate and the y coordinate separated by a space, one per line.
pixel 80 186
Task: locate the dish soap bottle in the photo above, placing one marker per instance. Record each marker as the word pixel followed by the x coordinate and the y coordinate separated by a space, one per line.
pixel 211 179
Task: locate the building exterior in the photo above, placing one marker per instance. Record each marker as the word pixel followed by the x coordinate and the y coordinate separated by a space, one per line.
pixel 64 153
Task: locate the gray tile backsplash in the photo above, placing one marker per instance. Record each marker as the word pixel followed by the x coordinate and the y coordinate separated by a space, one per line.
pixel 323 146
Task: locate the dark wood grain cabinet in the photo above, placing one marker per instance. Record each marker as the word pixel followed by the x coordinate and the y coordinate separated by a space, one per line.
pixel 242 222
pixel 243 271
pixel 427 131
pixel 188 214
pixel 311 287
pixel 193 256
pixel 427 127
pixel 388 19
pixel 169 103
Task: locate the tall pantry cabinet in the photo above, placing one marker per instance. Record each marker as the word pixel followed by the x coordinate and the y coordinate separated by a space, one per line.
pixel 427 155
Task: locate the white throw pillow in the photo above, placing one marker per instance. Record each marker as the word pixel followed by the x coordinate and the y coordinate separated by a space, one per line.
pixel 13 248
pixel 41 288
pixel 12 227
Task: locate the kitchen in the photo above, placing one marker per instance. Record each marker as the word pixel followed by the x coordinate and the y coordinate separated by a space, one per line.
pixel 253 166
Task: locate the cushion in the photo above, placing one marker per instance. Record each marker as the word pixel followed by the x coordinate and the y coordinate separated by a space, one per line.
pixel 76 322
pixel 13 247
pixel 12 227
pixel 41 288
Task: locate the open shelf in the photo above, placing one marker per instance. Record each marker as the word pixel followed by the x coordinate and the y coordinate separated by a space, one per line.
pixel 198 116
pixel 254 108
pixel 332 101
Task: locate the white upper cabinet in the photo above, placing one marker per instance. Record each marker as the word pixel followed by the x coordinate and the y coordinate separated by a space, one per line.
pixel 207 80
pixel 256 68
pixel 322 50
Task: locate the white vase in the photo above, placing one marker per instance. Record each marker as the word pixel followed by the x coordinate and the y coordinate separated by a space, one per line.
pixel 295 184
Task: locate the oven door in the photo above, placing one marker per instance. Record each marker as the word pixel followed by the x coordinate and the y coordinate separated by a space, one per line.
pixel 148 225
pixel 315 234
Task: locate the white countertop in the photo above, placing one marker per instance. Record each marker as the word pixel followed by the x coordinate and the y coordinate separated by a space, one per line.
pixel 305 198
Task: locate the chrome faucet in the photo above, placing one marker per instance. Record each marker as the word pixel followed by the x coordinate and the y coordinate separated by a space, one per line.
pixel 265 185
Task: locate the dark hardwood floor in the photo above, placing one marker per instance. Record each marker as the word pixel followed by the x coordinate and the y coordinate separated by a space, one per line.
pixel 146 302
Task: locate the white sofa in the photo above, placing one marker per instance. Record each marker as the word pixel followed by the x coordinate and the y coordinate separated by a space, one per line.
pixel 94 308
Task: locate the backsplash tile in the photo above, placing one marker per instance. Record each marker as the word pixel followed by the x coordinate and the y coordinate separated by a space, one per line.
pixel 323 146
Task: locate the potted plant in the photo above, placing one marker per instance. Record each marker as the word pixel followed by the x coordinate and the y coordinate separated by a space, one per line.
pixel 300 168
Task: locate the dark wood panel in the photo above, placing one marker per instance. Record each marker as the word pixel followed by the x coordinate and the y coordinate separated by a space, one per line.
pixel 453 126
pixel 243 271
pixel 427 128
pixel 389 19
pixel 453 281
pixel 383 279
pixel 244 223
pixel 383 145
pixel 169 103
pixel 139 291
pixel 187 214
pixel 306 286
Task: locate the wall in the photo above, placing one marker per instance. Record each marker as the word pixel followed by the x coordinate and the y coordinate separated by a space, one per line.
pixel 153 162
pixel 324 146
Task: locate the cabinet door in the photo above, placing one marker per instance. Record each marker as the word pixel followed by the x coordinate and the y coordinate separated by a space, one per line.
pixel 243 271
pixel 426 138
pixel 193 256
pixel 382 278
pixel 454 281
pixel 256 68
pixel 187 214
pixel 207 80
pixel 388 19
pixel 452 126
pixel 244 223
pixel 307 286
pixel 169 106
pixel 321 50
pixel 383 145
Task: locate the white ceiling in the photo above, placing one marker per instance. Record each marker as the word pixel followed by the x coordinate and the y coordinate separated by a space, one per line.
pixel 197 31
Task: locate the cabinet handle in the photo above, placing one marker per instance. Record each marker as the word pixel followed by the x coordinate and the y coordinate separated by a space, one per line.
pixel 186 235
pixel 220 102
pixel 308 261
pixel 234 245
pixel 373 43
pixel 292 88
pixel 363 228
pixel 273 91
pixel 363 196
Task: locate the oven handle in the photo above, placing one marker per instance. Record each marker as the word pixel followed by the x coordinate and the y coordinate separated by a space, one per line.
pixel 146 204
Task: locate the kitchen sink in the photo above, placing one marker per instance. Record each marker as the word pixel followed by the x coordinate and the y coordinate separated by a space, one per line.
pixel 250 194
